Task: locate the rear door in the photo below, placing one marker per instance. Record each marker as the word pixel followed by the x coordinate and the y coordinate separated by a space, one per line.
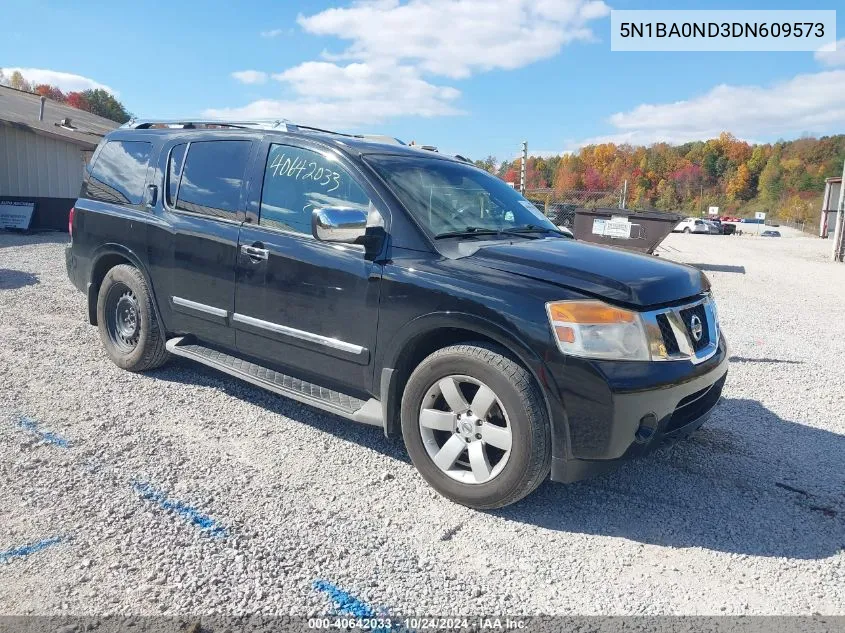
pixel 305 306
pixel 203 202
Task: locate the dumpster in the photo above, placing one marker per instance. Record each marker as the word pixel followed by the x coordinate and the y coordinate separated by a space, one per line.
pixel 640 231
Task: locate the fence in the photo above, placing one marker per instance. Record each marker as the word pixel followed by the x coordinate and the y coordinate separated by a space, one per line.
pixel 810 228
pixel 560 206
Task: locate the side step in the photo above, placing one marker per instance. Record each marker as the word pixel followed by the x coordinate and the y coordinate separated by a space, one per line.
pixel 368 412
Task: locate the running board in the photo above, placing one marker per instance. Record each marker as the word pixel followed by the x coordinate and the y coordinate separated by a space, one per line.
pixel 367 412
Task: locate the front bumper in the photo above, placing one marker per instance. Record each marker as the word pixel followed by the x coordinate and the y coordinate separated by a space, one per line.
pixel 618 410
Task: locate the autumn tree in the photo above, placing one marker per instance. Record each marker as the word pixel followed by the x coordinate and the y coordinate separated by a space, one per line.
pixel 739 185
pixel 18 82
pixel 77 100
pixel 51 92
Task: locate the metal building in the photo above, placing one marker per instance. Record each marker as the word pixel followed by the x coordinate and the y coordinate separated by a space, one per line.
pixel 827 222
pixel 44 146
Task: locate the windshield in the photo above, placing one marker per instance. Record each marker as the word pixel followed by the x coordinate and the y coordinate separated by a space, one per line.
pixel 448 197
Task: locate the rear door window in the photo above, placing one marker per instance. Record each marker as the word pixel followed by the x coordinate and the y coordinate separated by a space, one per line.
pixel 212 178
pixel 119 173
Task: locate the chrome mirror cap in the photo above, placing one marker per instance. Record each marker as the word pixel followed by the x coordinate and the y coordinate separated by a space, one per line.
pixel 339 224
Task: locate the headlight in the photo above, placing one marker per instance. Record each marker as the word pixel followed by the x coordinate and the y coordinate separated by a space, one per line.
pixel 594 329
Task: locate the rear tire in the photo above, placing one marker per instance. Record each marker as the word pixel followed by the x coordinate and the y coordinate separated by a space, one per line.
pixel 484 459
pixel 127 322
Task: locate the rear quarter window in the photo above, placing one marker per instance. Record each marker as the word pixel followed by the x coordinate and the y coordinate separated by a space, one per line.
pixel 119 173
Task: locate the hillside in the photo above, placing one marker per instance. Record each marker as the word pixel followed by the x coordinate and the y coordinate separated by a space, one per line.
pixel 785 179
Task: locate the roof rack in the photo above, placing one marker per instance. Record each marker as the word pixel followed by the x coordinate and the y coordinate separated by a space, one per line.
pixel 189 124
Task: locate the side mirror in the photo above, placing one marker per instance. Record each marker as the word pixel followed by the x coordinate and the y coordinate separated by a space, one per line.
pixel 339 224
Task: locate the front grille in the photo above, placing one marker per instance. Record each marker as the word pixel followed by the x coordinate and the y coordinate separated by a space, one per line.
pixel 687 317
pixel 695 405
pixel 667 334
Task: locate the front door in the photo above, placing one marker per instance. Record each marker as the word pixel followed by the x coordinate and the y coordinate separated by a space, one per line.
pixel 307 307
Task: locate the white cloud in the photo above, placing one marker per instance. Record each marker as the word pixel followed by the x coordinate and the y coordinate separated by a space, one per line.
pixel 334 96
pixel 394 46
pixel 250 76
pixel 812 102
pixel 67 82
pixel 457 38
pixel 832 58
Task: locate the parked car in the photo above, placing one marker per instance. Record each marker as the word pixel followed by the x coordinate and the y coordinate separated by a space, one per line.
pixel 728 228
pixel 715 227
pixel 692 225
pixel 770 234
pixel 396 287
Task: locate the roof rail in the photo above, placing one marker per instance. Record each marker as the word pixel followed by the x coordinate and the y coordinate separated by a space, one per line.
pixel 382 138
pixel 188 124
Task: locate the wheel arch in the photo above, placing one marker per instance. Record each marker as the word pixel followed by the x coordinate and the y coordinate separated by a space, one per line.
pixel 426 334
pixel 104 259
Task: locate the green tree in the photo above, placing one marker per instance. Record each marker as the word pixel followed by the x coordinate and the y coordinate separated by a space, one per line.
pixel 667 198
pixel 488 164
pixel 771 181
pixel 105 105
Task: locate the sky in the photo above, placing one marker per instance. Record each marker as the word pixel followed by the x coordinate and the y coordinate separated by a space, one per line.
pixel 475 77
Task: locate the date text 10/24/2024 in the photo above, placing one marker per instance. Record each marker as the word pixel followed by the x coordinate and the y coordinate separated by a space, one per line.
pixel 416 623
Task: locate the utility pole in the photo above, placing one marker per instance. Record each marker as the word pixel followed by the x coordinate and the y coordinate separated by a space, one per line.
pixel 839 233
pixel 522 167
pixel 623 199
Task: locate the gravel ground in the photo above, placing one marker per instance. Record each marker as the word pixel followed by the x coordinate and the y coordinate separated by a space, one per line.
pixel 183 491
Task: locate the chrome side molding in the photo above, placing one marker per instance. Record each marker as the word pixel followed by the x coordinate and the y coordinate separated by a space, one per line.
pixel 199 307
pixel 299 334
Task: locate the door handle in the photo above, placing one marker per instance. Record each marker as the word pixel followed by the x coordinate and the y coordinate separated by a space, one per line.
pixel 255 253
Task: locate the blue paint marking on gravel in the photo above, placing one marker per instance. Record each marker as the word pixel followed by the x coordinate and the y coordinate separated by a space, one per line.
pixel 347 604
pixel 25 422
pixel 26 550
pixel 190 514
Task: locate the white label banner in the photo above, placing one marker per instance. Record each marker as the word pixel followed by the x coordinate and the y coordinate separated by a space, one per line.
pixel 723 30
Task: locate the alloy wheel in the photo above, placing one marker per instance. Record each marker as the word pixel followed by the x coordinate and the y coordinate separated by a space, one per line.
pixel 465 429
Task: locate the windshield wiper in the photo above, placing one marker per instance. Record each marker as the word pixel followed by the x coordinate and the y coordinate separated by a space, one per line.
pixel 528 229
pixel 524 231
pixel 468 231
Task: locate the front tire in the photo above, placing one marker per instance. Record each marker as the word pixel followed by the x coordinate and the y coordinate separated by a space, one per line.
pixel 475 426
pixel 687 230
pixel 127 322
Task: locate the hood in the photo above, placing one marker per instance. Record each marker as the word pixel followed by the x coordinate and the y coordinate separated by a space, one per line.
pixel 609 273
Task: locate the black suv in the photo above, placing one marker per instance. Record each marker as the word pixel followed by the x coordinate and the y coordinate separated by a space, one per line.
pixel 397 287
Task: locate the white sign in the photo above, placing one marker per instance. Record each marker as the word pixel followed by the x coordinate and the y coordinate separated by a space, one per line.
pixel 713 211
pixel 759 215
pixel 16 214
pixel 614 227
